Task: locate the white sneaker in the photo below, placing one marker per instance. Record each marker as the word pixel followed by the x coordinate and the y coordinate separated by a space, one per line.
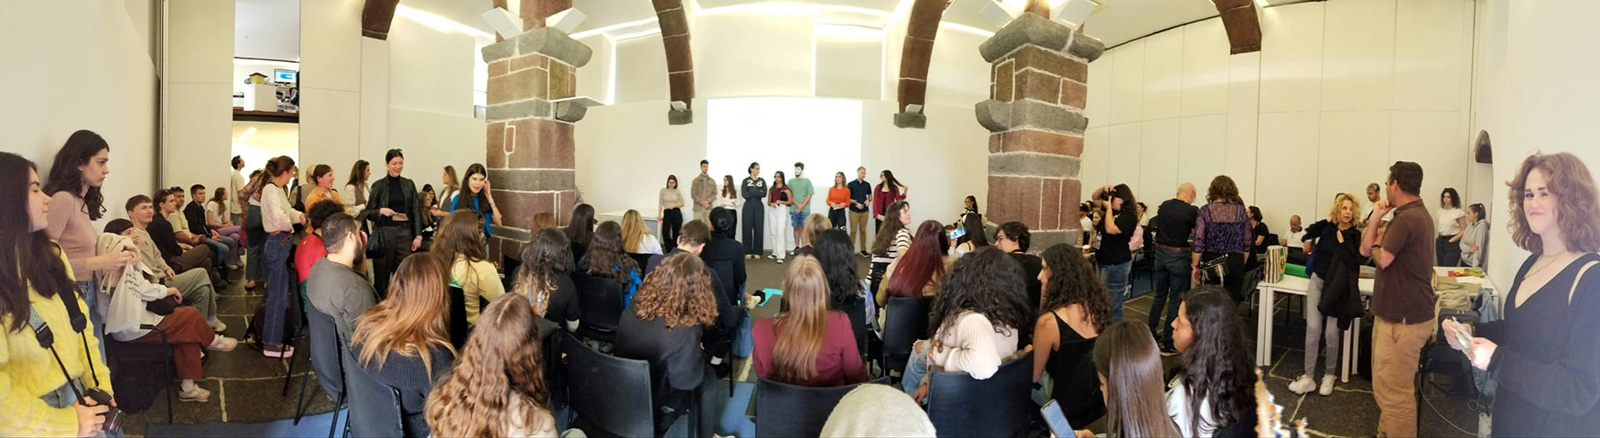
pixel 1303 385
pixel 200 395
pixel 218 326
pixel 222 343
pixel 1327 386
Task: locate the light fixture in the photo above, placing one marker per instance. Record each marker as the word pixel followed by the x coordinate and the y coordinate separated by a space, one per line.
pixel 998 12
pixel 678 105
pixel 565 21
pixel 247 134
pixel 1075 12
pixel 614 28
pixel 438 23
pixel 913 108
pixel 1263 3
pixel 503 22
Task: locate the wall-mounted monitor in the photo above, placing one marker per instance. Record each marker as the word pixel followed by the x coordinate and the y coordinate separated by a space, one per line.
pixel 285 76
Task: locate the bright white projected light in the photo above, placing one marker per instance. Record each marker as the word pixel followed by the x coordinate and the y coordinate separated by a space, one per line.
pixel 825 134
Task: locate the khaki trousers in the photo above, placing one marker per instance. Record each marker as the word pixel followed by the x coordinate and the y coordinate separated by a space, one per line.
pixel 1396 351
pixel 858 230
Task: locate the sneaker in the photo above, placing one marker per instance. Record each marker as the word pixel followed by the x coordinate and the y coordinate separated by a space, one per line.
pixel 198 395
pixel 1327 386
pixel 217 326
pixel 278 352
pixel 1168 350
pixel 1303 385
pixel 864 254
pixel 224 343
pixel 777 260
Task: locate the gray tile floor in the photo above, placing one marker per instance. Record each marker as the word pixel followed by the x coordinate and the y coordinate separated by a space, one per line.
pixel 247 387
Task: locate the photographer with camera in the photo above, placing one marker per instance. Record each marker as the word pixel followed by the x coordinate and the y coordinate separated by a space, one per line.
pixel 50 378
pixel 1116 224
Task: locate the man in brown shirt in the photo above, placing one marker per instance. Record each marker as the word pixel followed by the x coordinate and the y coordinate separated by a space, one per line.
pixel 703 191
pixel 1402 298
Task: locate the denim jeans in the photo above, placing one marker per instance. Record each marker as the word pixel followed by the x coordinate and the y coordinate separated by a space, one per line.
pixel 279 284
pixel 97 320
pixel 916 369
pixel 220 249
pixel 1116 279
pixel 1173 275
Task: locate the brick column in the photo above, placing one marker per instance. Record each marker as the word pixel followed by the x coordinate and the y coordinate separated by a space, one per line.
pixel 1036 120
pixel 530 129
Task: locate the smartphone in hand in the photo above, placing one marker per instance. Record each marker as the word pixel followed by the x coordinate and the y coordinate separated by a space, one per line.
pixel 1461 337
pixel 1057 420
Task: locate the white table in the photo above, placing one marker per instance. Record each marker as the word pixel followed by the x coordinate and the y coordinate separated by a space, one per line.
pixel 1348 354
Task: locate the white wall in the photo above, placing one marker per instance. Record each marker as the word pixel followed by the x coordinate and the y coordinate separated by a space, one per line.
pixel 197 100
pixel 81 64
pixel 1339 91
pixel 330 85
pixel 431 75
pixel 1533 91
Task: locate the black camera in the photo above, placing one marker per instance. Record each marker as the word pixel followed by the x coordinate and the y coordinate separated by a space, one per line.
pixel 112 414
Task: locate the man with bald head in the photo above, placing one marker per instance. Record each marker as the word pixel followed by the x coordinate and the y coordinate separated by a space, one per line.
pixel 1173 225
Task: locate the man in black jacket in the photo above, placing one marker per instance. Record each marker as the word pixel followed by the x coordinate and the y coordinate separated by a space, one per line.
pixel 1173 224
pixel 393 207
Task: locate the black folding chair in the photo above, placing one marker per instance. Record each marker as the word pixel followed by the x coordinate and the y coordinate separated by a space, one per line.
pixel 905 320
pixel 961 406
pixel 611 395
pixel 326 348
pixel 129 361
pixel 793 410
pixel 600 300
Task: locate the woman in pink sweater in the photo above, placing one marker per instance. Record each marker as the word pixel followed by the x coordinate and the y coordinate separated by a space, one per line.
pixel 75 202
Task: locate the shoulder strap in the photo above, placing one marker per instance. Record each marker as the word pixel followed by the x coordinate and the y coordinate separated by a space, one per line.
pixel 1590 259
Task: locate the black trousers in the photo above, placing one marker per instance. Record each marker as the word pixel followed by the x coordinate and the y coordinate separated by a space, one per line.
pixel 837 218
pixel 398 239
pixel 1447 253
pixel 753 216
pixel 671 224
pixel 1233 273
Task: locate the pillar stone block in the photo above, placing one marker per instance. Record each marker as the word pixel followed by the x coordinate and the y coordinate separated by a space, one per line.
pixel 1036 120
pixel 529 143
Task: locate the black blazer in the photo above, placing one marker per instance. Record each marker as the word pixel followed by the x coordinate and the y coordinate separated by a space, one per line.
pixel 378 199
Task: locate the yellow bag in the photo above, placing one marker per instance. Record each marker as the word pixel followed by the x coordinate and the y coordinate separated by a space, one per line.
pixel 1277 261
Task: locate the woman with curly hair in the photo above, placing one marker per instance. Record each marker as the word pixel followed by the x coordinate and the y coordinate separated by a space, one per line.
pixel 663 325
pixel 1076 310
pixel 496 387
pixel 545 279
pixel 1215 394
pixel 976 320
pixel 605 259
pixel 403 343
pixel 1222 233
pixel 806 344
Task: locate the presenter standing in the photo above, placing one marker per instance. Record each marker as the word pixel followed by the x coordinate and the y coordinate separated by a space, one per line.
pixel 754 189
pixel 779 198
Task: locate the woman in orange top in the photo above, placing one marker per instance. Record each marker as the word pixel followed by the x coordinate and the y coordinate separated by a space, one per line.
pixel 322 176
pixel 838 199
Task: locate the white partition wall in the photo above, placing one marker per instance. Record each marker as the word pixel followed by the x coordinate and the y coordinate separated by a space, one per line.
pixel 1339 91
pixel 197 97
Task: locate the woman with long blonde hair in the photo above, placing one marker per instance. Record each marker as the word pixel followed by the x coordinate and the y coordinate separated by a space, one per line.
pixel 663 325
pixel 806 344
pixel 402 342
pixel 497 386
pixel 450 187
pixel 636 238
pixel 1335 248
pixel 459 243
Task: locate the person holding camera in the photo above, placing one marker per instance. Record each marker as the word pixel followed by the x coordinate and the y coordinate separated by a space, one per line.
pixel 1116 225
pixel 50 374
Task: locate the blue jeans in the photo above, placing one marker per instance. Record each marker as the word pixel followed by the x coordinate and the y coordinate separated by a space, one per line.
pixel 1173 275
pixel 97 320
pixel 916 369
pixel 279 284
pixel 1116 279
pixel 220 250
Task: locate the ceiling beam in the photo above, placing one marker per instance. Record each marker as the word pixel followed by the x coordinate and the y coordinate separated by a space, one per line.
pixel 376 16
pixel 915 55
pixel 1243 25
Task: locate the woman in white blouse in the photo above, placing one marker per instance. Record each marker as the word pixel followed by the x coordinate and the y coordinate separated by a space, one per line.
pixel 1452 222
pixel 636 239
pixel 277 219
pixel 356 202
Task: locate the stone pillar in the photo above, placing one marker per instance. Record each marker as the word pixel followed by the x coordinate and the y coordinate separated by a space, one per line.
pixel 530 129
pixel 1036 122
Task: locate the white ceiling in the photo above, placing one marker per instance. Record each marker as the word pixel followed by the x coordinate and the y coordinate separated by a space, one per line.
pixel 267 29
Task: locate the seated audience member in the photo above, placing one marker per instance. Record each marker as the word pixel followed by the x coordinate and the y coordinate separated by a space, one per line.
pixel 1215 394
pixel 1076 309
pixel 580 230
pixel 193 220
pixel 310 248
pixel 545 280
pixel 723 250
pixel 837 257
pixel 181 257
pixel 692 240
pixel 496 387
pixel 39 284
pixel 1296 233
pixel 185 327
pixel 920 271
pixel 460 243
pixel 815 224
pixel 542 221
pixel 975 320
pixel 1129 365
pixel 974 236
pixel 217 219
pixel 336 286
pixel 806 344
pixel 1475 237
pixel 403 343
pixel 636 238
pixel 194 284
pixel 893 238
pixel 1013 238
pixel 877 410
pixel 663 325
pixel 605 259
